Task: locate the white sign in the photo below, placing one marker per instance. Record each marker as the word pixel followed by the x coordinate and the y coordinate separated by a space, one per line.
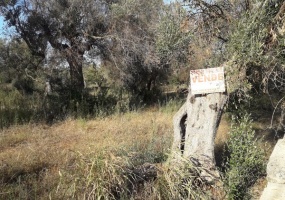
pixel 209 80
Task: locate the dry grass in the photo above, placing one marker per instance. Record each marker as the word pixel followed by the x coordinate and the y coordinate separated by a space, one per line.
pixel 32 156
pixel 35 158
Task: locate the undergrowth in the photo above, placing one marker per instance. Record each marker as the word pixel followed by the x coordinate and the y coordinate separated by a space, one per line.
pixel 246 161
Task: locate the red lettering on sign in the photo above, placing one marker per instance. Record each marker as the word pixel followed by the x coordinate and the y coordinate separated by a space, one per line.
pixel 221 76
pixel 194 79
pixel 207 77
pixel 200 79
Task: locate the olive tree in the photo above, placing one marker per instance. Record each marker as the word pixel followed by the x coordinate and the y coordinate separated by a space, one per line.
pixel 71 27
pixel 133 51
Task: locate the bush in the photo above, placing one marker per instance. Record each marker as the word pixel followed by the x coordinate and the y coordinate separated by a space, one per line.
pixel 245 163
pixel 16 108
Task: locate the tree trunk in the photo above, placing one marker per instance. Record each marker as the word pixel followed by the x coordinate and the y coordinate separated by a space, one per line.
pixel 151 82
pixel 195 126
pixel 75 61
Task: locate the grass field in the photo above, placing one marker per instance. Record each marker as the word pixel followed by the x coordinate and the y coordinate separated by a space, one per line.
pixel 80 159
pixel 33 157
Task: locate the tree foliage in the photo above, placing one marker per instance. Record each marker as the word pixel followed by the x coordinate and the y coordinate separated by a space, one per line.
pixel 70 27
pixel 139 38
pixel 246 36
pixel 134 53
pixel 257 43
pixel 144 47
pixel 143 43
pixel 18 67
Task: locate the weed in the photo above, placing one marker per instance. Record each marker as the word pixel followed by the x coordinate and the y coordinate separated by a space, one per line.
pixel 246 161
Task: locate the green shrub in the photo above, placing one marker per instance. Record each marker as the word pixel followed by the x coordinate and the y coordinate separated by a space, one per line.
pixel 16 108
pixel 245 163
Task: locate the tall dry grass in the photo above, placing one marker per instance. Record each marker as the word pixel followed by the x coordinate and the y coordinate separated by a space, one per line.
pixel 100 159
pixel 64 160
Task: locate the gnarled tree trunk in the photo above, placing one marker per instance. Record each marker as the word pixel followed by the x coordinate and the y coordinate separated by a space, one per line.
pixel 195 126
pixel 75 61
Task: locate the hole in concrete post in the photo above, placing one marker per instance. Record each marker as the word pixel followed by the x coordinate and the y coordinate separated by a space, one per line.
pixel 183 132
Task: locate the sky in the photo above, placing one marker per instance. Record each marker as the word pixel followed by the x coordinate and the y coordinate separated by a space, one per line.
pixel 2 23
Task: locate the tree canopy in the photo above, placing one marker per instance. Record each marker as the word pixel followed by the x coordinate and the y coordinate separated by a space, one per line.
pixel 144 44
pixel 70 27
